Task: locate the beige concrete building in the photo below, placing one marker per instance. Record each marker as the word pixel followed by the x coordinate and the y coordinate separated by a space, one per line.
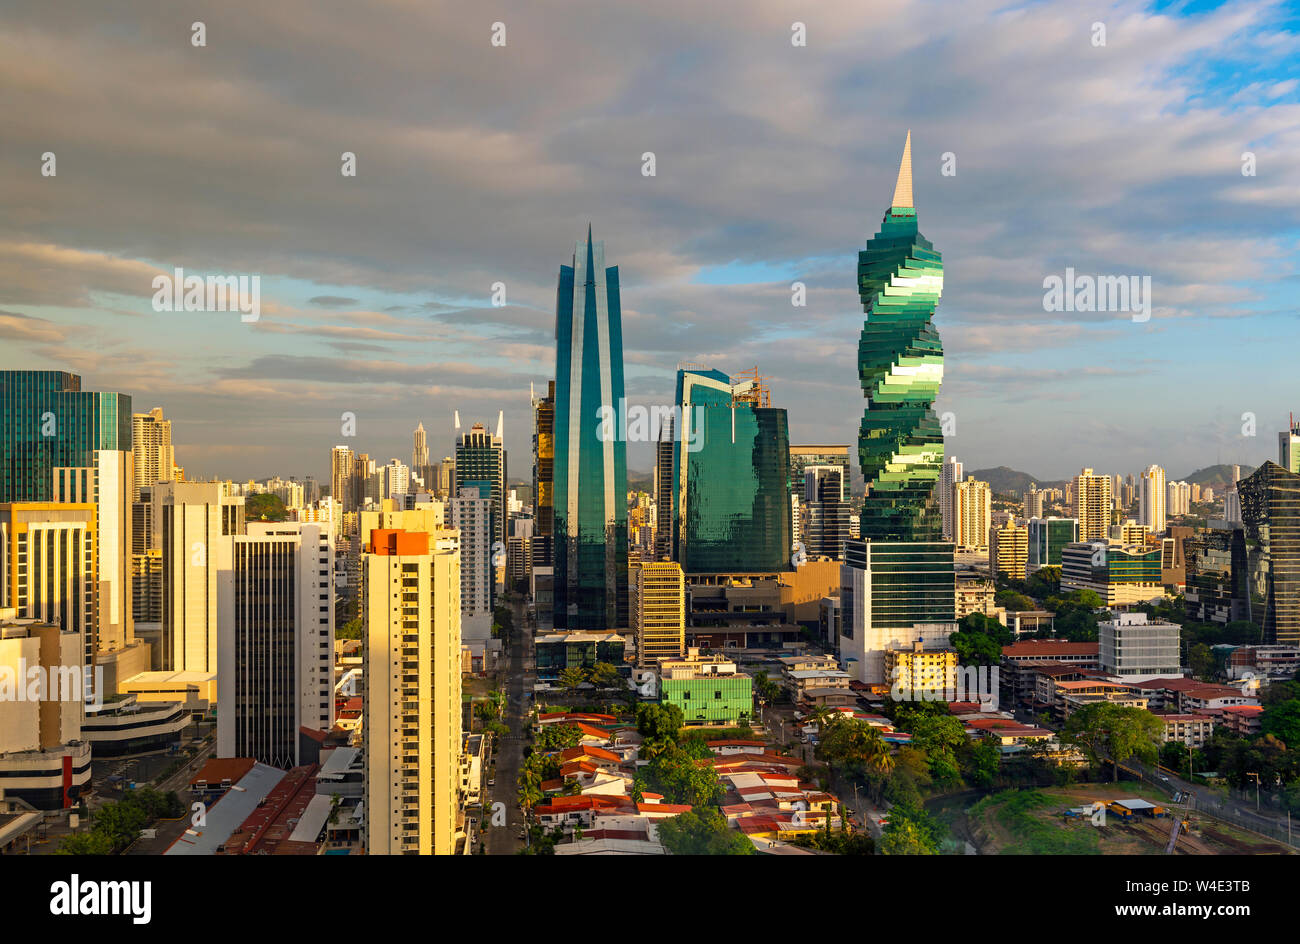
pixel 410 606
pixel 1009 550
pixel 154 457
pixel 658 608
pixel 1092 505
pixel 972 508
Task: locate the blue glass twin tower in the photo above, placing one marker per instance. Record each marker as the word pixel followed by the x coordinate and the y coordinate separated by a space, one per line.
pixel 590 469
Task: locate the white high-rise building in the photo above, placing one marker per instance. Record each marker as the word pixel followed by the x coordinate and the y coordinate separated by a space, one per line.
pixel 949 476
pixel 1152 499
pixel 190 519
pixel 108 484
pixel 471 515
pixel 1033 504
pixel 275 617
pixel 1178 496
pixel 397 479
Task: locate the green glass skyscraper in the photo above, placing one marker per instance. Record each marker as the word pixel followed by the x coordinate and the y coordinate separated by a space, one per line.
pixel 731 487
pixel 590 510
pixel 1270 513
pixel 900 363
pixel 46 422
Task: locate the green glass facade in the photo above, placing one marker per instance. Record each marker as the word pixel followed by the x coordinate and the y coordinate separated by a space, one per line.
pixel 46 422
pixel 721 700
pixel 1047 536
pixel 1216 576
pixel 590 508
pixel 1270 513
pixel 731 496
pixel 900 364
pixel 555 654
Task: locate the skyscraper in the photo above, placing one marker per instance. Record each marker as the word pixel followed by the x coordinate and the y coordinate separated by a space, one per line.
pixel 663 486
pixel 342 460
pixel 898 583
pixel 1033 504
pixel 1009 550
pixel 1047 538
pixel 420 452
pixel 1288 446
pixel 1270 513
pixel 1151 499
pixel 590 468
pixel 542 544
pixel 47 422
pixel 900 363
pixel 949 476
pixel 825 511
pixel 481 464
pixel 412 691
pixel 154 457
pixel 658 594
pixel 1092 505
pixel 972 513
pixel 275 616
pixel 731 495
pixel 471 516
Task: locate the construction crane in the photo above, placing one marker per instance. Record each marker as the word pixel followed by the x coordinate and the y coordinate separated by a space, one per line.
pixel 1180 820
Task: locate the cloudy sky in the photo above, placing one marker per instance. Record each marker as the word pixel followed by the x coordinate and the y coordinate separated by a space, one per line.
pixel 479 163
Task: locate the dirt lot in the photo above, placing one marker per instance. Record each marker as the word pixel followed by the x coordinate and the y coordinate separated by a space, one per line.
pixel 1031 823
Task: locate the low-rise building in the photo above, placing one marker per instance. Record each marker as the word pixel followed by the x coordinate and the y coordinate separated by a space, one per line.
pixel 1194 730
pixel 708 689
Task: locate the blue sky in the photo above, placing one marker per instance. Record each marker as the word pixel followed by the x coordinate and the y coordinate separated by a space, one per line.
pixel 481 164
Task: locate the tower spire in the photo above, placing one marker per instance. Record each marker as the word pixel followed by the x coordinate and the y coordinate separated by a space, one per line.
pixel 903 189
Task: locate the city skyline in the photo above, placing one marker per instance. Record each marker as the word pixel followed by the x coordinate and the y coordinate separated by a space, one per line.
pixel 377 290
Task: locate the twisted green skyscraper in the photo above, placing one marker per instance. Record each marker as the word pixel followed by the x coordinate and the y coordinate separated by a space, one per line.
pixel 900 363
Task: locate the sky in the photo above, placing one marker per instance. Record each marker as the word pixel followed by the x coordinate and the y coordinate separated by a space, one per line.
pixel 479 164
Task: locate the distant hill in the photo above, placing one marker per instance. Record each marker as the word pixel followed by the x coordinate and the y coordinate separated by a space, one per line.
pixel 1217 476
pixel 1004 480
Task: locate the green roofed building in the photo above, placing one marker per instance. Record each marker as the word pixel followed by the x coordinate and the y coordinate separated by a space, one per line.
pixel 708 689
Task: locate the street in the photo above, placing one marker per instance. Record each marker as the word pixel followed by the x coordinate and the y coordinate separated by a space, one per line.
pixel 504 840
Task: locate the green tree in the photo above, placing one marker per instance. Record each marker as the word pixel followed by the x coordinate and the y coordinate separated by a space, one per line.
pixel 573 678
pixel 765 688
pixel 659 722
pixel 1116 732
pixel 1283 722
pixel 349 630
pixel 702 831
pixel 558 737
pixel 605 675
pixel 1201 659
pixel 904 837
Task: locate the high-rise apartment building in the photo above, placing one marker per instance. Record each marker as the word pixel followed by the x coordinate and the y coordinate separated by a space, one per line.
pixel 949 476
pixel 590 582
pixel 275 635
pixel 397 479
pixel 410 610
pixel 818 454
pixel 471 516
pixel 658 607
pixel 1270 513
pixel 342 490
pixel 1151 499
pixel 730 476
pixel 1033 502
pixel 152 452
pixel 1178 498
pixel 1092 505
pixel 972 513
pixel 1009 550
